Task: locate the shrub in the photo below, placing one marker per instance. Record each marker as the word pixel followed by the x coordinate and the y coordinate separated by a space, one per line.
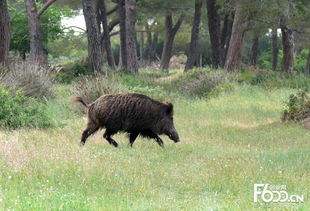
pixel 153 73
pixel 17 110
pixel 73 70
pixel 221 88
pixel 279 80
pixel 247 77
pixel 297 107
pixel 93 86
pixel 272 79
pixel 34 80
pixel 301 61
pixel 262 76
pixel 201 82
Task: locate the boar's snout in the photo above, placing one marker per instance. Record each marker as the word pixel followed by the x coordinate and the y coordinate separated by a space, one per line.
pixel 173 135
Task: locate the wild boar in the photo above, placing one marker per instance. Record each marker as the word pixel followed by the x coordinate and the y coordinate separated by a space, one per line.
pixel 134 114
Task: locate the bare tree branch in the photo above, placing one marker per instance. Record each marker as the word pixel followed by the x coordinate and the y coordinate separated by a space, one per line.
pixel 45 6
pixel 117 32
pixel 70 27
pixel 112 10
pixel 113 23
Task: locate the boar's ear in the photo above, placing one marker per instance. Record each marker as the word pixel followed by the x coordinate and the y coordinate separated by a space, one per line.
pixel 169 107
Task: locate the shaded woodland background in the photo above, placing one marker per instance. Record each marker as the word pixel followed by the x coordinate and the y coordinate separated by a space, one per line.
pixel 138 34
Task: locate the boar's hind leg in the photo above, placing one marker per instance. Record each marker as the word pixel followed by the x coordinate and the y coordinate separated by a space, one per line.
pixel 132 137
pixel 107 135
pixel 150 134
pixel 86 133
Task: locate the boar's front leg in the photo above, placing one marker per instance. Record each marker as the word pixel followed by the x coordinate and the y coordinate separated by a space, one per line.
pixel 87 132
pixel 151 134
pixel 158 140
pixel 107 135
pixel 132 137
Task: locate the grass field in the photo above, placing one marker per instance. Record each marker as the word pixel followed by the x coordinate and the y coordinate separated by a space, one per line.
pixel 228 144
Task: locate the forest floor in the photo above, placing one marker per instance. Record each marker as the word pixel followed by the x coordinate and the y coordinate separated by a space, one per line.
pixel 228 144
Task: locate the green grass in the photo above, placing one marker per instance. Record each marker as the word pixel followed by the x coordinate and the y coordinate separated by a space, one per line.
pixel 228 144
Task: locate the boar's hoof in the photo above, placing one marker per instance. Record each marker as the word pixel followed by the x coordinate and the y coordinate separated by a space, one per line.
pixel 115 144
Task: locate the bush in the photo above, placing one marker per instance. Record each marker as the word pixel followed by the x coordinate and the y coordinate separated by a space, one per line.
pixel 34 80
pixel 17 110
pixel 201 82
pixel 301 61
pixel 297 107
pixel 272 79
pixel 73 70
pixel 221 88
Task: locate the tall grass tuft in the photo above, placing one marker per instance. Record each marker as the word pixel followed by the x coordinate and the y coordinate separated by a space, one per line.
pixel 34 80
pixel 90 87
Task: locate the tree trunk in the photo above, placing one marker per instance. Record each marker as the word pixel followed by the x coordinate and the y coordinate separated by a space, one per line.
pixel 214 31
pixel 275 49
pixel 254 52
pixel 288 49
pixel 106 34
pixel 225 37
pixel 131 49
pixel 122 27
pixel 5 32
pixel 193 49
pixel 308 64
pixel 37 52
pixel 141 46
pixel 120 60
pixel 170 32
pixel 93 35
pixel 148 42
pixel 234 54
pixel 151 41
pixel 152 52
pixel 22 55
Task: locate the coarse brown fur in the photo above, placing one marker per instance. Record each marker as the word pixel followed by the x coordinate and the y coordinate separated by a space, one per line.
pixel 135 114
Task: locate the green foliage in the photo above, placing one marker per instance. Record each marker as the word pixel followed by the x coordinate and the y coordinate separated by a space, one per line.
pixel 132 81
pixel 271 79
pixel 297 107
pixel 51 21
pixel 73 70
pixel 17 110
pixel 256 77
pixel 301 61
pixel 68 48
pixel 200 82
pixel 20 40
pixel 265 59
pixel 51 27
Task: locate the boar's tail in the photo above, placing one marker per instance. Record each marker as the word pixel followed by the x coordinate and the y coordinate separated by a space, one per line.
pixel 79 99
